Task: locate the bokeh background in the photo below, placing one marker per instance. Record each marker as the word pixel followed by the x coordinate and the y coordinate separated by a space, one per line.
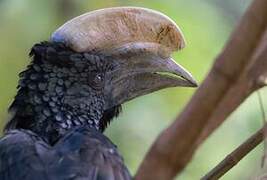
pixel 206 24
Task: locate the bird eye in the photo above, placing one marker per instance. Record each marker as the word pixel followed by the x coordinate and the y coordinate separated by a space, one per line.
pixel 98 78
pixel 96 81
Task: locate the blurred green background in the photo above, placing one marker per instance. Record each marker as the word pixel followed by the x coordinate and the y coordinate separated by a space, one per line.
pixel 206 25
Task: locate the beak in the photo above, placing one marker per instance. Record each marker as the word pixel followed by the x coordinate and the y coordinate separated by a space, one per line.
pixel 139 75
pixel 139 41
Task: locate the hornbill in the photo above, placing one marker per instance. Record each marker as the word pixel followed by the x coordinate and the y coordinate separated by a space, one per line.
pixel 75 85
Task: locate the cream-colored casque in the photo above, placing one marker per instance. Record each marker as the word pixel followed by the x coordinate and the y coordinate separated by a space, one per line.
pixel 119 28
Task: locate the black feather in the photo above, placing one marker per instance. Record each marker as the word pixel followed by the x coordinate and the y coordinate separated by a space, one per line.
pixel 58 116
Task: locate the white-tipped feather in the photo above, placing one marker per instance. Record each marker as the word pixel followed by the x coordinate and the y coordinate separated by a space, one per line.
pixel 113 28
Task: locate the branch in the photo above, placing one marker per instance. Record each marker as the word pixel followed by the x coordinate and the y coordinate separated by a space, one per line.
pixel 253 77
pixel 174 148
pixel 232 159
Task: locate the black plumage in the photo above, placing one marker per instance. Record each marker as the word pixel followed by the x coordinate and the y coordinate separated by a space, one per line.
pixel 83 153
pixel 58 117
pixel 59 90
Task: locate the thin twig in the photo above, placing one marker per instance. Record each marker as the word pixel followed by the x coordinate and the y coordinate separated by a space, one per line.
pixel 232 159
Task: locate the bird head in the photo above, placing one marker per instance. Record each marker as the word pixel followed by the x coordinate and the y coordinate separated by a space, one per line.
pixel 104 58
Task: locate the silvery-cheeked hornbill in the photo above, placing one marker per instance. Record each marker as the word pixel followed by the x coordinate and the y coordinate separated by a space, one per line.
pixel 76 84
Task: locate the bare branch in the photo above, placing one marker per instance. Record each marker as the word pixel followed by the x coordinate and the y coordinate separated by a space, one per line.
pixel 175 146
pixel 232 159
pixel 248 82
